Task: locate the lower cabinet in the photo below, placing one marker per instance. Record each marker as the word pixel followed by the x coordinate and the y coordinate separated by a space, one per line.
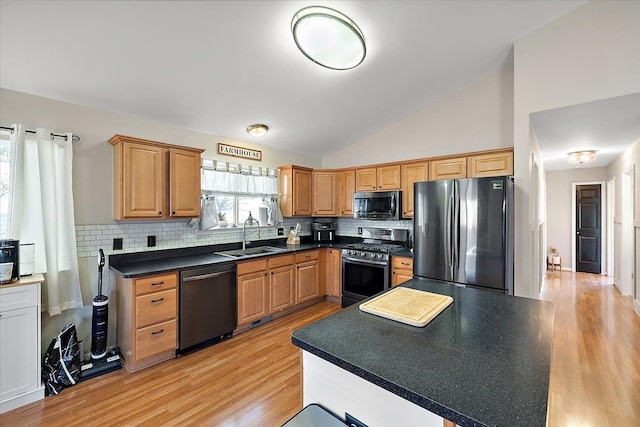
pixel 269 286
pixel 334 272
pixel 281 283
pixel 147 313
pixel 20 382
pixel 253 295
pixel 307 276
pixel 401 270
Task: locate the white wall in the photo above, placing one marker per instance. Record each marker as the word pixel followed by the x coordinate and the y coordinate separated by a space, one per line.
pixel 589 54
pixel 477 118
pixel 629 159
pixel 560 199
pixel 93 157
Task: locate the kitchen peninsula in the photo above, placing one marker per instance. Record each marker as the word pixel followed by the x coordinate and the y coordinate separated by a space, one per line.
pixel 484 361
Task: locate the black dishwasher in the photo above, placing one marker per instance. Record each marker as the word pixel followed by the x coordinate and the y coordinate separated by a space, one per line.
pixel 208 305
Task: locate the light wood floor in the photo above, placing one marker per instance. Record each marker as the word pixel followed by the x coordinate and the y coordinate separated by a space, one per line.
pixel 595 369
pixel 254 378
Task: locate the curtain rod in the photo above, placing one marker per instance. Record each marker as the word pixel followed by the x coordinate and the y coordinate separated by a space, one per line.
pixel 75 138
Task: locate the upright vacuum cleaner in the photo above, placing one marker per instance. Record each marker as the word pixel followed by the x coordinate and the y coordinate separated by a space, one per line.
pixel 101 361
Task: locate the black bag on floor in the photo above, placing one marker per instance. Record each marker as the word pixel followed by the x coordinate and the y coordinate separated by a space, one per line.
pixel 61 363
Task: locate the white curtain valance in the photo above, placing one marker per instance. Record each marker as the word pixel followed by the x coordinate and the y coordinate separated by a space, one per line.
pixel 237 183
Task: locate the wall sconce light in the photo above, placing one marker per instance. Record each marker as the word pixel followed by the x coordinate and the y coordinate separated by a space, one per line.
pixel 258 130
pixel 328 38
pixel 580 157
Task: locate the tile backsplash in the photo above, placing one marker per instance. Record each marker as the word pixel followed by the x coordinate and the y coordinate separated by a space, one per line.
pixel 176 234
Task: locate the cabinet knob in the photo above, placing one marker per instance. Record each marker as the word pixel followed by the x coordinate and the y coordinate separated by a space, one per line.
pixel 159 212
pixel 173 213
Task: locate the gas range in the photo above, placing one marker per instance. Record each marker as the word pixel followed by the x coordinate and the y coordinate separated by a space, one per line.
pixel 374 251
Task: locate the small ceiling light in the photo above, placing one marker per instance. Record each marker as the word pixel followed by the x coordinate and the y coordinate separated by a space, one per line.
pixel 580 157
pixel 328 38
pixel 258 130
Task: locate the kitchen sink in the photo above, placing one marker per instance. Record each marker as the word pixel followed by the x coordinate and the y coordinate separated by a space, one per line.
pixel 258 250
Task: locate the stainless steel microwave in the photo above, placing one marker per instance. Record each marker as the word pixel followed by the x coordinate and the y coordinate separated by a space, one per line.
pixel 377 205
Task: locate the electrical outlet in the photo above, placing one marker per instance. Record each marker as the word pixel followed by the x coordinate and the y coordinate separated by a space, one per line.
pixel 117 243
pixel 359 230
pixel 280 231
pixel 151 241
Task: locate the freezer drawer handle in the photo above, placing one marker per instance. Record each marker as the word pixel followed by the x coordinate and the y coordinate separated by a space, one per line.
pixel 206 276
pixel 157 300
pixel 157 332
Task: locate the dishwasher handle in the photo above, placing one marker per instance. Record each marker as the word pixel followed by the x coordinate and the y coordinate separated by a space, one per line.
pixel 206 276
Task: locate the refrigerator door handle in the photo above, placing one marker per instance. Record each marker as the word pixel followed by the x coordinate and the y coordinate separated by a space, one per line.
pixel 449 244
pixel 455 241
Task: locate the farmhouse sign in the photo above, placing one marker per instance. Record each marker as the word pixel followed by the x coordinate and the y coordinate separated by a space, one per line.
pixel 247 153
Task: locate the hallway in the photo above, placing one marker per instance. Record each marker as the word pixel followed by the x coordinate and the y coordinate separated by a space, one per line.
pixel 595 370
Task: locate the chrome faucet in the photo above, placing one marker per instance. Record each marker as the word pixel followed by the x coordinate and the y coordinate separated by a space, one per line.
pixel 250 220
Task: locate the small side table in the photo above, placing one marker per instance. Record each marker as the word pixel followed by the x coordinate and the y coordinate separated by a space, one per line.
pixel 553 262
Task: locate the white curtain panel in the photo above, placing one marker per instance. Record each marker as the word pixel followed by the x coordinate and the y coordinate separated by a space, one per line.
pixel 41 212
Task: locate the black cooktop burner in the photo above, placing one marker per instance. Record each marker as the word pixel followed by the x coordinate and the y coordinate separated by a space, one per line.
pixel 375 247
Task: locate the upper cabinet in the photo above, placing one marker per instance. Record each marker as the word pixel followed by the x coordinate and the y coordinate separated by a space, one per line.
pixel 379 178
pixel 452 168
pixel 154 180
pixel 491 164
pixel 295 191
pixel 324 193
pixel 346 188
pixel 411 173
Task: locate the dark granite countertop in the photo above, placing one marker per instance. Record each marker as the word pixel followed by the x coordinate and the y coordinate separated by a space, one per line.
pixel 484 361
pixel 139 264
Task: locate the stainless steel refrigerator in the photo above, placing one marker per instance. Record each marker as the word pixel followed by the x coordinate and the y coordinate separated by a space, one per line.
pixel 463 232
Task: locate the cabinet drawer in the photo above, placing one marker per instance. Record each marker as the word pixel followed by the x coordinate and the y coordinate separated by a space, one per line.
pixel 307 256
pixel 18 297
pixel 279 261
pixel 156 339
pixel 156 307
pixel 402 262
pixel 161 282
pixel 252 266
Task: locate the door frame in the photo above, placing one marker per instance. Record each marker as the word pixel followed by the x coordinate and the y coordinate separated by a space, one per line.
pixel 603 230
pixel 610 220
pixel 627 234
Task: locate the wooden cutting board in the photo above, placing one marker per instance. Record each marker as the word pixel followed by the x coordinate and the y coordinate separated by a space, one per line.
pixel 406 305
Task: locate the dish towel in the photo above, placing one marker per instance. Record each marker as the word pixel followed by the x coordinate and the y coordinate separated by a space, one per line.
pixel 208 215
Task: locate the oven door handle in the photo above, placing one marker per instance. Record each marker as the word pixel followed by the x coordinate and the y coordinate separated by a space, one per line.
pixel 361 262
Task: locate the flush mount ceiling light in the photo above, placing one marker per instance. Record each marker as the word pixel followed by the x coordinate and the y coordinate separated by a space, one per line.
pixel 328 38
pixel 258 130
pixel 580 157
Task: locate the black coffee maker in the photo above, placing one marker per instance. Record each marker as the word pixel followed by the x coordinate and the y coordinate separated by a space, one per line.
pixel 9 253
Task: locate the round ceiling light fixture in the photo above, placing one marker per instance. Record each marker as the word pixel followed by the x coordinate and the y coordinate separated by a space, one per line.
pixel 328 38
pixel 580 157
pixel 258 130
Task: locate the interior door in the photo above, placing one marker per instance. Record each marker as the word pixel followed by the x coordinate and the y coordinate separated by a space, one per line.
pixel 588 228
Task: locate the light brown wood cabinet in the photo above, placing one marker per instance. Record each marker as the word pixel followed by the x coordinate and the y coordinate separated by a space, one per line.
pixel 147 313
pixel 490 164
pixel 411 173
pixel 153 180
pixel 379 178
pixel 334 272
pixel 253 295
pixel 295 191
pixel 324 193
pixel 308 284
pixel 401 270
pixel 452 168
pixel 281 283
pixel 346 188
